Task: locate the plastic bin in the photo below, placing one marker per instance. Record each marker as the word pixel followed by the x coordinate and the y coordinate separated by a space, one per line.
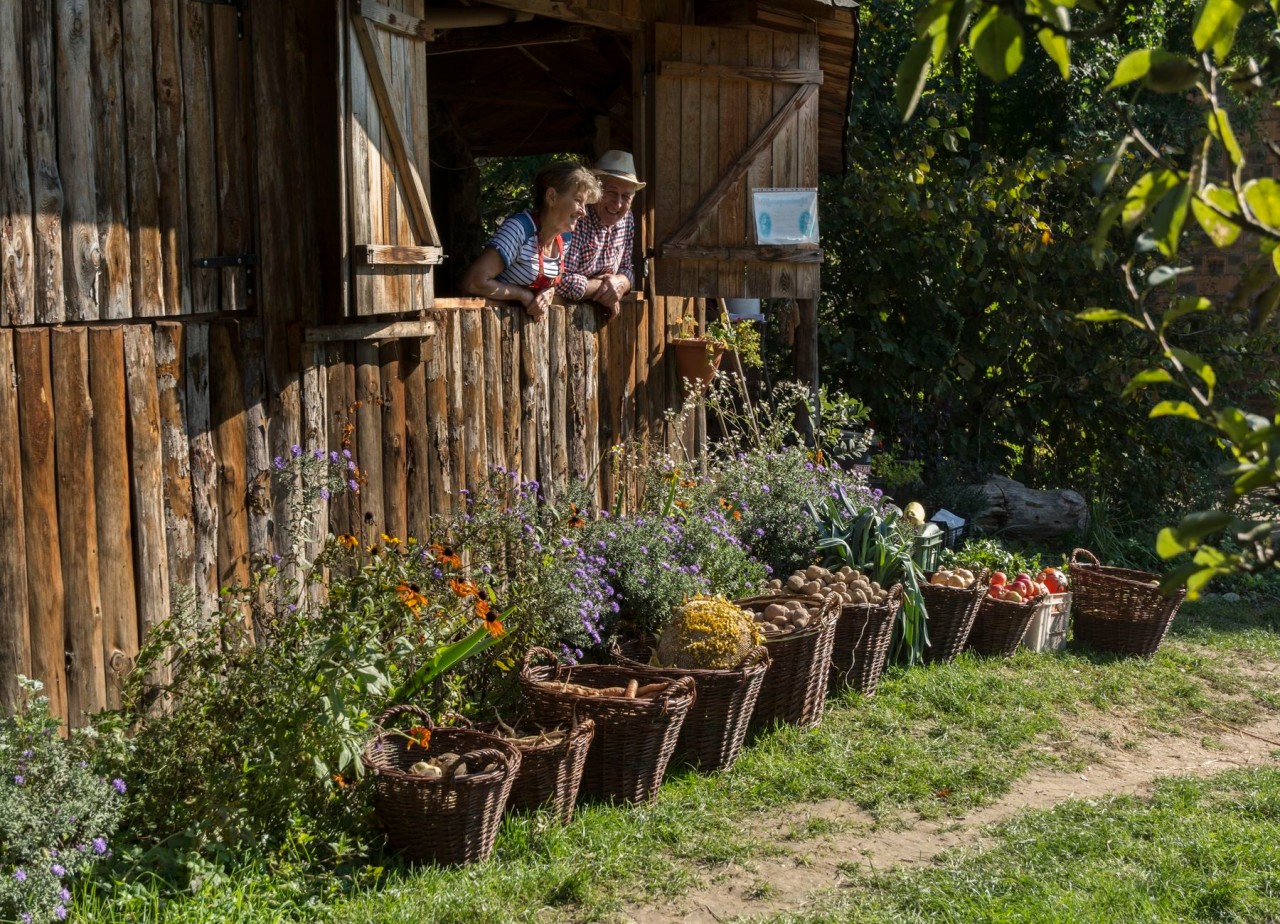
pixel 1047 630
pixel 928 546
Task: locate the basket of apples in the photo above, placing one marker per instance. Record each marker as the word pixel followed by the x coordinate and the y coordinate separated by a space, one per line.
pixel 1009 608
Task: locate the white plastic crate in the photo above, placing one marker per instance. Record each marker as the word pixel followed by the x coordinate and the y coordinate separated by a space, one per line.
pixel 1048 628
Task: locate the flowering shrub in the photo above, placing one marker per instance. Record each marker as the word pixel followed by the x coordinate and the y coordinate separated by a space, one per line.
pixel 657 561
pixel 56 814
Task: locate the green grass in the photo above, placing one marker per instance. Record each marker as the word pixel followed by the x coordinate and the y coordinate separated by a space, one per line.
pixel 1196 850
pixel 936 741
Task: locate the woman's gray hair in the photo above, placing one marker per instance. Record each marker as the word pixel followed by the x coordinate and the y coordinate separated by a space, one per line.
pixel 566 178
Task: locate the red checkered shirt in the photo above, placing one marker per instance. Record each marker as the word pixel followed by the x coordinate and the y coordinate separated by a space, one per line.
pixel 593 250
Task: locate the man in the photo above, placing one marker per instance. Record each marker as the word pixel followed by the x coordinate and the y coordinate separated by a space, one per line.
pixel 597 262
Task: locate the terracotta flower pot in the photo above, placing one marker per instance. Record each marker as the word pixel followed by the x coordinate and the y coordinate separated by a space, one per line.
pixel 694 361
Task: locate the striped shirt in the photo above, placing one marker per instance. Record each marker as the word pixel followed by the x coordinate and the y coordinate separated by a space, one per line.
pixel 595 250
pixel 516 241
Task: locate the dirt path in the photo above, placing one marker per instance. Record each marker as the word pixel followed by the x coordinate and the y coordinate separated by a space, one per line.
pixel 1127 761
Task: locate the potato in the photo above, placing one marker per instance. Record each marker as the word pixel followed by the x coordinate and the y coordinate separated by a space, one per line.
pixel 775 584
pixel 813 587
pixel 774 610
pixel 424 769
pixel 448 759
pixel 838 586
pixel 800 622
pixel 875 586
pixel 813 572
pixel 846 597
pixel 768 629
pixel 860 596
pixel 795 583
pixel 781 620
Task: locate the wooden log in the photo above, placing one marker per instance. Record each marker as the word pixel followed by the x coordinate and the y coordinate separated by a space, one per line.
pixel 591 363
pixel 114 523
pixel 232 106
pixel 82 256
pixel 558 378
pixel 440 451
pixel 787 104
pixel 227 408
pixel 200 150
pixel 395 463
pixel 494 410
pixel 145 229
pixel 545 472
pixel 204 467
pixel 807 124
pixel 146 456
pixel 369 447
pixel 1018 512
pixel 459 446
pixel 179 519
pixel 576 412
pixel 314 438
pixel 77 523
pixel 171 161
pixel 529 359
pixel 46 181
pixel 511 385
pixel 15 629
pixel 340 372
pixel 760 173
pixel 257 458
pixel 473 397
pixel 17 242
pixel 643 393
pixel 413 374
pixel 110 165
pixel 45 597
pixel 607 378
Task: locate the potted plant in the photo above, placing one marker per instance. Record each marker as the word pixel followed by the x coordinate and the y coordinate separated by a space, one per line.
pixel 698 357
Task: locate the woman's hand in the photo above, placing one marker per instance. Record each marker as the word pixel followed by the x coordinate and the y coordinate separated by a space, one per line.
pixel 537 303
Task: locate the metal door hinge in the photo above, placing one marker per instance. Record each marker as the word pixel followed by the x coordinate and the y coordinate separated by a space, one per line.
pixel 246 261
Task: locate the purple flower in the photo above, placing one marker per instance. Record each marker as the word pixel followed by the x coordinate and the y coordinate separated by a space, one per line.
pixel 26 918
pixel 58 870
pixel 295 450
pixel 20 875
pixel 764 489
pixel 19 779
pixel 318 454
pixel 346 453
pixel 333 456
pixel 99 845
pixel 278 462
pixel 28 754
pixel 276 558
pixel 118 785
pixel 324 493
pixel 60 913
pixel 353 485
pixel 64 894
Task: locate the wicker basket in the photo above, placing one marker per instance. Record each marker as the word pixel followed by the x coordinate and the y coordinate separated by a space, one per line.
pixel 1117 609
pixel 951 612
pixel 864 634
pixel 1000 625
pixel 795 688
pixel 716 726
pixel 634 738
pixel 550 774
pixel 451 820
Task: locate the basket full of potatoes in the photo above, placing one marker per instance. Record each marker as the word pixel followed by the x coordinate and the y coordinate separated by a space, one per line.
pixel 798 630
pixel 951 600
pixel 850 585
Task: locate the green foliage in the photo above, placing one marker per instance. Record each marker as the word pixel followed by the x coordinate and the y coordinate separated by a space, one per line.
pixel 57 815
pixel 894 472
pixel 991 555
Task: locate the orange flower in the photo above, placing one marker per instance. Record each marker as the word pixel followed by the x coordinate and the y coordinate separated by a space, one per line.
pixel 462 588
pixel 724 504
pixel 737 514
pixel 576 521
pixel 494 625
pixel 688 484
pixel 411 596
pixel 346 540
pixel 419 736
pixel 682 504
pixel 482 608
pixel 340 781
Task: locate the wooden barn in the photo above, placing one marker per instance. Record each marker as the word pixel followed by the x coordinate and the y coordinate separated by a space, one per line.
pixel 235 226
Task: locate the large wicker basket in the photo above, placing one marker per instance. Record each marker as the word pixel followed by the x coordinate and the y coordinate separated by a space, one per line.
pixel 451 820
pixel 951 612
pixel 795 688
pixel 550 774
pixel 1118 609
pixel 864 634
pixel 716 726
pixel 1000 626
pixel 634 738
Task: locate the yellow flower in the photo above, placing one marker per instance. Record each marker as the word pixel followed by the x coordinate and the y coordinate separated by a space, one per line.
pixel 462 588
pixel 348 541
pixel 411 596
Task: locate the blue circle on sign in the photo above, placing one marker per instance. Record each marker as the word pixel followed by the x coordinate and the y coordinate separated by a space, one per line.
pixel 764 224
pixel 806 223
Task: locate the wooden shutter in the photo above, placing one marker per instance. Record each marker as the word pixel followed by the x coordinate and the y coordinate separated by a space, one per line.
pixel 734 110
pixel 394 242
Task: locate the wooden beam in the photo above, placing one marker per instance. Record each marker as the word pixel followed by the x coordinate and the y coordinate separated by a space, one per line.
pixel 498 37
pixel 739 168
pixel 396 255
pixel 572 12
pixel 415 194
pixel 763 254
pixel 739 72
pixel 374 330
pixel 400 23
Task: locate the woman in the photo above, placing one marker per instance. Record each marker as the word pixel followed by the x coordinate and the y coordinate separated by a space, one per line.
pixel 522 260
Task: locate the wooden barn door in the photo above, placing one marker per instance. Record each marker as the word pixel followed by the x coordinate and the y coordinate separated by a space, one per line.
pixel 392 234
pixel 734 110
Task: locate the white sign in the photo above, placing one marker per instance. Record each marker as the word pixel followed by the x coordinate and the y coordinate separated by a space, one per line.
pixel 785 216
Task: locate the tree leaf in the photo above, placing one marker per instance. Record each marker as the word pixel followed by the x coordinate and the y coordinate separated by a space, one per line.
pixel 1146 193
pixel 1170 73
pixel 912 73
pixel 1184 306
pixel 1263 199
pixel 1107 167
pixel 1145 378
pixel 1174 409
pixel 996 41
pixel 1197 365
pixel 1162 274
pixel 1058 47
pixel 1195 526
pixel 1220 128
pixel 1221 231
pixel 1215 25
pixel 1169 216
pixel 1101 315
pixel 1133 66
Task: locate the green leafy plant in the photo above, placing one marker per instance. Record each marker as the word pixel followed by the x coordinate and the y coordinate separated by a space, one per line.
pixel 991 555
pixel 57 814
pixel 894 472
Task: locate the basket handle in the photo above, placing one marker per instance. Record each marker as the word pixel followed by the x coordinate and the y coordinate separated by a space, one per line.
pixel 458 719
pixel 681 687
pixel 581 729
pixel 757 655
pixel 1093 559
pixel 478 758
pixel 527 662
pixel 404 709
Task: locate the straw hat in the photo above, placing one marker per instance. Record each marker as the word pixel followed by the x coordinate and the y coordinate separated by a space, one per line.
pixel 618 164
